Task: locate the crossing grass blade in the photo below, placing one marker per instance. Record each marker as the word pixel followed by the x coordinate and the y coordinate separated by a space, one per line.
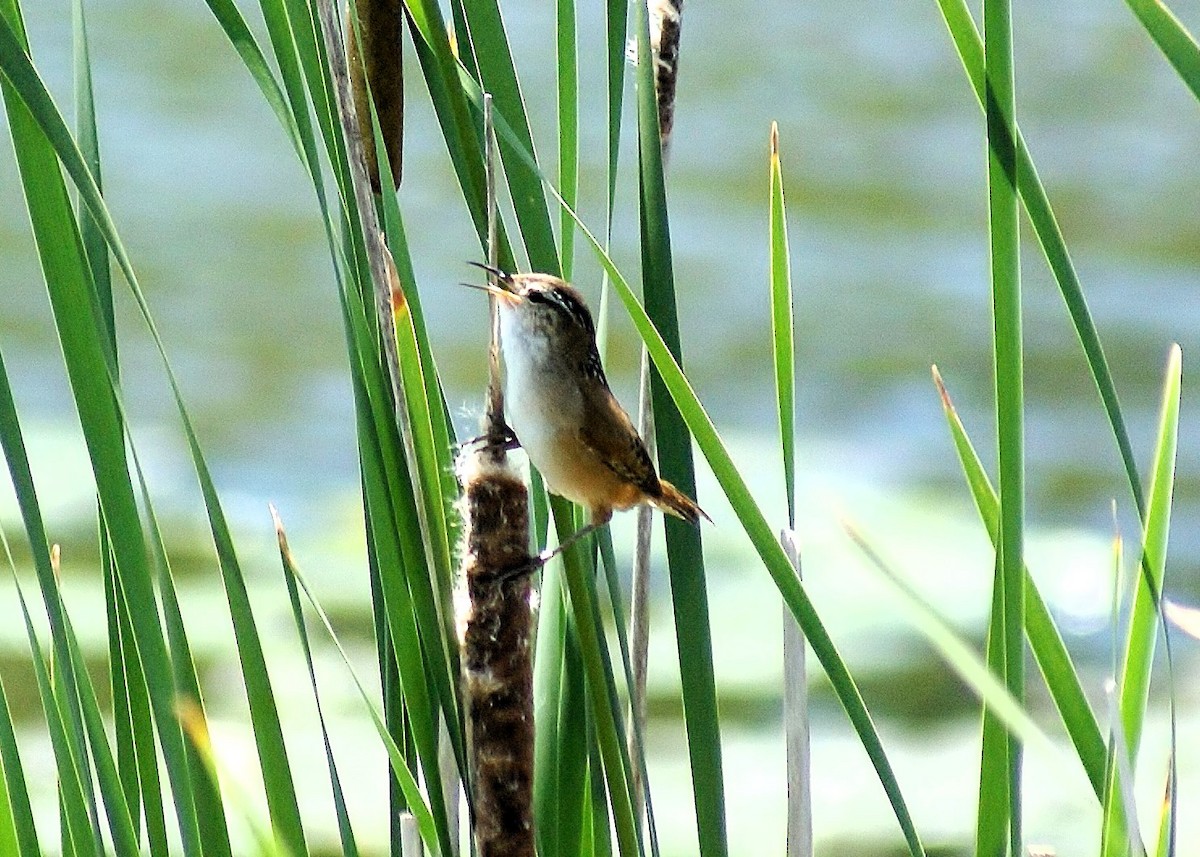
pixel 949 647
pixel 969 47
pixel 17 833
pixel 498 76
pixel 1133 682
pixel 1172 38
pixel 1054 662
pixel 578 576
pixel 20 834
pixel 76 816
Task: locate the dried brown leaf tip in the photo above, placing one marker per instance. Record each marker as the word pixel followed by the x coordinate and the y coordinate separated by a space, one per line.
pixel 376 68
pixel 399 301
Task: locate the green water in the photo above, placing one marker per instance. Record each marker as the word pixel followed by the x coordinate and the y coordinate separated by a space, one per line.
pixel 884 160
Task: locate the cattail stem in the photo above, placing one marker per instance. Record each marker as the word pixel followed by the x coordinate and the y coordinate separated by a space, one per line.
pixel 497 620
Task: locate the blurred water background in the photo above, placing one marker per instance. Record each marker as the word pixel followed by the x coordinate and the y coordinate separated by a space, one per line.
pixel 884 162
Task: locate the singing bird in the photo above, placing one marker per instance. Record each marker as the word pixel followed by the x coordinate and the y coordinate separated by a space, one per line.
pixel 561 409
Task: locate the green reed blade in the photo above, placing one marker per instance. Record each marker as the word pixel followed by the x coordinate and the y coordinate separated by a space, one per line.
pixel 685 556
pixel 783 326
pixel 1003 231
pixel 1037 205
pixel 76 815
pixel 18 836
pixel 1172 38
pixel 568 128
pixel 598 670
pixel 1133 684
pixel 242 39
pixel 412 791
pixel 552 802
pixel 950 647
pixel 345 831
pixel 1062 679
pixel 489 43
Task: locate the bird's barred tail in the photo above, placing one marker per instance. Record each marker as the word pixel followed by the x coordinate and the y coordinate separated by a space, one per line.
pixel 675 502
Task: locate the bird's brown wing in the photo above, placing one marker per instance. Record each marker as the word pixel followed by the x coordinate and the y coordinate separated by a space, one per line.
pixel 609 433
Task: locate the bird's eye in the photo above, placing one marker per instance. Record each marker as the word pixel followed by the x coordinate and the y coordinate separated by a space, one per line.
pixel 538 297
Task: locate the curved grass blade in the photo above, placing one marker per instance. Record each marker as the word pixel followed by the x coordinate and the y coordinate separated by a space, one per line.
pixel 412 792
pixel 555 803
pixel 956 654
pixel 23 840
pixel 17 833
pixel 345 831
pixel 93 380
pixel 1172 38
pixel 242 39
pixel 1133 685
pixel 1051 654
pixel 991 827
pixel 606 715
pixel 76 815
pixel 685 556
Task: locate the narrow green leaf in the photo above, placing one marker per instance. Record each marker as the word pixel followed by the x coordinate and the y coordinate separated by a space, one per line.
pixel 16 803
pixel 950 648
pixel 568 128
pixel 1003 232
pixel 597 668
pixel 685 557
pixel 345 831
pixel 549 691
pixel 782 327
pixel 992 812
pixel 77 816
pixel 489 43
pixel 1133 685
pixel 1172 38
pixel 412 792
pixel 1062 680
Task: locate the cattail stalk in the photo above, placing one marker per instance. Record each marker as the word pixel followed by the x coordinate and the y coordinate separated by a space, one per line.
pixel 376 71
pixel 496 620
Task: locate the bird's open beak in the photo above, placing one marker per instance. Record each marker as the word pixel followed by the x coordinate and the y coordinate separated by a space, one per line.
pixel 502 294
pixel 503 288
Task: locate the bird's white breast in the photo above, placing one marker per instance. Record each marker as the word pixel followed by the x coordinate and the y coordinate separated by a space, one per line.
pixel 542 401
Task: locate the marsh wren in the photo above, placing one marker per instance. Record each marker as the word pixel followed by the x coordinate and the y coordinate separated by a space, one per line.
pixel 560 406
